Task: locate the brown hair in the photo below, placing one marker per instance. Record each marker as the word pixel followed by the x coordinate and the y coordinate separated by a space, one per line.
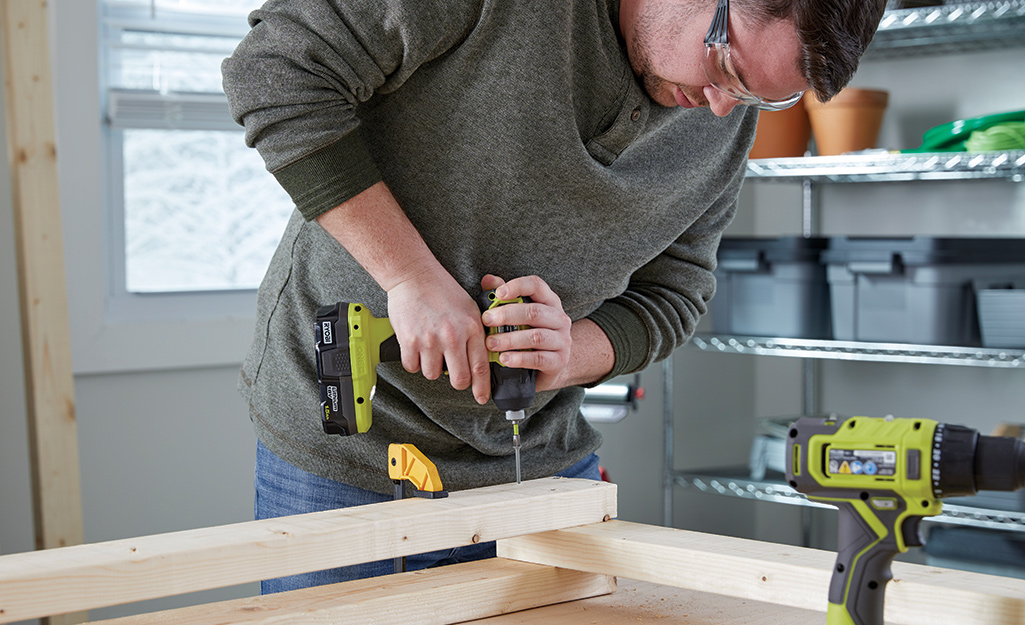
pixel 833 35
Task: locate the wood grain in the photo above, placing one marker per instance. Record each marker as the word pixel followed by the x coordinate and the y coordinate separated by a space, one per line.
pixel 641 603
pixel 767 572
pixel 50 399
pixel 88 576
pixel 440 596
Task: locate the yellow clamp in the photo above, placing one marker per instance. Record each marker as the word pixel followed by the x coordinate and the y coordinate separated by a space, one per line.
pixel 406 462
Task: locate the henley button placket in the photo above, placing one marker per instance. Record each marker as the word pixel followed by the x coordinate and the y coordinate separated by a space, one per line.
pixel 628 125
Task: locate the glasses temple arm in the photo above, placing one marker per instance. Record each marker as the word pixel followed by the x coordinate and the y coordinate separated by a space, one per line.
pixel 720 24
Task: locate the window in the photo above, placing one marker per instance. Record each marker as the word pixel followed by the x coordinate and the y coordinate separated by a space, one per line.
pixel 191 207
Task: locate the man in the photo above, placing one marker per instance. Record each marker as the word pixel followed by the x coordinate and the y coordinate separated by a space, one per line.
pixel 590 152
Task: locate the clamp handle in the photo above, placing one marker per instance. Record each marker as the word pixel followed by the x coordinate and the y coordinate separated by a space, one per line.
pixel 406 462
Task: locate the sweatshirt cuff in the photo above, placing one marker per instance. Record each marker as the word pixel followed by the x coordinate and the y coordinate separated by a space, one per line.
pixel 628 336
pixel 330 176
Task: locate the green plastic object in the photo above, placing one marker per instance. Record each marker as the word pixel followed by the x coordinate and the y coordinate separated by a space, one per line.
pixel 1005 136
pixel 951 137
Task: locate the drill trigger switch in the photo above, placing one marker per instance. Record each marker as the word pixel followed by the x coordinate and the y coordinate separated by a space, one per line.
pixel 911 530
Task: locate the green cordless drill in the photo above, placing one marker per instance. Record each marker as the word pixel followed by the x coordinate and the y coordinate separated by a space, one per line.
pixel 885 476
pixel 350 343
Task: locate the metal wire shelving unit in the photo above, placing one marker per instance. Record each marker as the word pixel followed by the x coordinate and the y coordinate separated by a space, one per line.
pixel 944 29
pixel 734 482
pixel 852 350
pixel 949 28
pixel 890 167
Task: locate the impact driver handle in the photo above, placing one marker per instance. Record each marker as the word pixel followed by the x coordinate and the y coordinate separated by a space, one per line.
pixel 350 343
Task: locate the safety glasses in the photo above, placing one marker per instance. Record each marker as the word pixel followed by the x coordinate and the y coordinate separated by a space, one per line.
pixel 720 71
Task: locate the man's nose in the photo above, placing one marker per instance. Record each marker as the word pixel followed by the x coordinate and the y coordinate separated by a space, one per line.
pixel 720 103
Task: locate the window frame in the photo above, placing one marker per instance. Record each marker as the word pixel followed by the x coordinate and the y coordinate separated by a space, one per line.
pixel 113 330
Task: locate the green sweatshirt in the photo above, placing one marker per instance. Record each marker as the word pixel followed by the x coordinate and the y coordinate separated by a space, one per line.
pixel 517 141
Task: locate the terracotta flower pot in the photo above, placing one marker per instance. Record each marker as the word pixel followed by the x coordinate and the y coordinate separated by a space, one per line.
pixel 782 133
pixel 847 123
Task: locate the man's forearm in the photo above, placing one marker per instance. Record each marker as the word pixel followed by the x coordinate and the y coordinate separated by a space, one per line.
pixel 374 229
pixel 591 356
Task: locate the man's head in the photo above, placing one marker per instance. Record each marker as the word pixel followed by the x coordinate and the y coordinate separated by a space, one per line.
pixel 776 48
pixel 833 35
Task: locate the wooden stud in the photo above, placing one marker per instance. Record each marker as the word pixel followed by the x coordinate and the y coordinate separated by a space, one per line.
pixel 50 393
pixel 447 594
pixel 89 576
pixel 761 571
pixel 53 435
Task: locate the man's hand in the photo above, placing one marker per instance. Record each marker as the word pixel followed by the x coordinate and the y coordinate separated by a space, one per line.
pixel 438 325
pixel 435 320
pixel 548 337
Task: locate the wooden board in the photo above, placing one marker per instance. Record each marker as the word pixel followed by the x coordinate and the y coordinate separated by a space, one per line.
pixel 440 596
pixel 46 336
pixel 760 571
pixel 122 571
pixel 49 382
pixel 644 603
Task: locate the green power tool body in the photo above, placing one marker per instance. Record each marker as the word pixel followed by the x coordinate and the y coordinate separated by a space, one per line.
pixel 885 476
pixel 350 343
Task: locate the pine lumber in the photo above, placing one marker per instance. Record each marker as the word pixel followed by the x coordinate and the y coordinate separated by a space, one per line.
pixel 440 596
pixel 46 337
pixel 644 603
pixel 768 572
pixel 54 581
pixel 44 306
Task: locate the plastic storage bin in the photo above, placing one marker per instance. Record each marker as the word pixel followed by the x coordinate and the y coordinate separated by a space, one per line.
pixel 1001 313
pixel 772 287
pixel 915 290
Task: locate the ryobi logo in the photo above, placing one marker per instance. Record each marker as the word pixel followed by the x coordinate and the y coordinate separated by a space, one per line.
pixel 329 336
pixel 360 363
pixel 332 394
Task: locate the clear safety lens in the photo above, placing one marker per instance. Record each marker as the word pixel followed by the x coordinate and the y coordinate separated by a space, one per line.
pixel 721 74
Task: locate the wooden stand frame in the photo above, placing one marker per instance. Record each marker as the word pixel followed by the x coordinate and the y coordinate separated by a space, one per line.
pixel 46 339
pixel 83 577
pixel 49 393
pixel 768 572
pixel 555 543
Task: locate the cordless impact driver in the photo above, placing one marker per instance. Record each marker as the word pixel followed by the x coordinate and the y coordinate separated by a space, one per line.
pixel 885 476
pixel 350 343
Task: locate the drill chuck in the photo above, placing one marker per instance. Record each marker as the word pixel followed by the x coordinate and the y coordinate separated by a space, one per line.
pixel 1000 463
pixel 965 462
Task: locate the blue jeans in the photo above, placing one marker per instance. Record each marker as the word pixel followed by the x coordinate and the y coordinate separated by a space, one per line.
pixel 283 489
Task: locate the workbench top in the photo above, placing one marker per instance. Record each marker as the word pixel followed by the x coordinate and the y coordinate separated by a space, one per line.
pixel 641 602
